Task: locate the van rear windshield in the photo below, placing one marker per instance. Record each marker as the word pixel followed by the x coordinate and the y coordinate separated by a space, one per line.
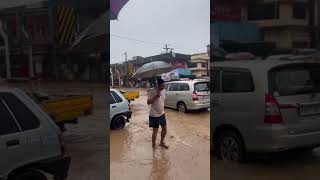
pixel 201 86
pixel 295 79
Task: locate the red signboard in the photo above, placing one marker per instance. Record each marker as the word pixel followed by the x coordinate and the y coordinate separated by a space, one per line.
pixel 226 12
pixel 178 64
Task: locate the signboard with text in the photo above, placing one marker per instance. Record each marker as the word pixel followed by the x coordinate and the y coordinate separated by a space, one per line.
pixel 226 12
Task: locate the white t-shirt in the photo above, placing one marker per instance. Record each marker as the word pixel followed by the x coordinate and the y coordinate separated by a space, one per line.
pixel 157 107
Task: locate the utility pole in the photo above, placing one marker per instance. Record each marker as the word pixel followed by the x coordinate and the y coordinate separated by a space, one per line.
pixel 167 48
pixel 126 64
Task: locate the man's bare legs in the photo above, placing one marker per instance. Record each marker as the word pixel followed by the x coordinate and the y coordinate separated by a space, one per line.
pixel 163 135
pixel 154 137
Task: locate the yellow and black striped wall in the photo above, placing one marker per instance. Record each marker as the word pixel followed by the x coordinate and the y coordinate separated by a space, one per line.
pixel 66 25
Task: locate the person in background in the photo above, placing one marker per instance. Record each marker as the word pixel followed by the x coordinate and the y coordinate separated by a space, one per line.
pixel 156 114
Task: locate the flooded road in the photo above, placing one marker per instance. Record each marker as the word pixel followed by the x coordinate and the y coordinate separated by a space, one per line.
pixel 280 166
pixel 86 142
pixel 188 157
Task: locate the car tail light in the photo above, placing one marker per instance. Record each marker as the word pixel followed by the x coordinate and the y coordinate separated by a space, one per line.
pixel 194 96
pixel 272 111
pixel 62 145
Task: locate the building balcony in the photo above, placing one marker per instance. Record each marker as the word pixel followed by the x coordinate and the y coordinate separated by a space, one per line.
pixel 280 22
pixel 198 68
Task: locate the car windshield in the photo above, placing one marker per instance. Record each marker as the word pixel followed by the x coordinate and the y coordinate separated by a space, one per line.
pixel 201 86
pixel 297 80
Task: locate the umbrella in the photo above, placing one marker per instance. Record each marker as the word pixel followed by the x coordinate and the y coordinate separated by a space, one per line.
pixel 95 37
pixel 116 6
pixel 153 69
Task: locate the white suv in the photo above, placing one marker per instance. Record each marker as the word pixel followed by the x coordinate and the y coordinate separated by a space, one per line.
pixel 188 95
pixel 30 142
pixel 263 106
pixel 119 110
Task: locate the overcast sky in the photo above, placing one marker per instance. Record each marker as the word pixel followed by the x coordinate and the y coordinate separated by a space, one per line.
pixel 184 24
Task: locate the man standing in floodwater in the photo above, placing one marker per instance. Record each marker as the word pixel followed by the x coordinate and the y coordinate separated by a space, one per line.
pixel 156 114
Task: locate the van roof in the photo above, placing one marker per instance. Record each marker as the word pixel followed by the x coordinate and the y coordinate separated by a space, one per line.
pixel 256 64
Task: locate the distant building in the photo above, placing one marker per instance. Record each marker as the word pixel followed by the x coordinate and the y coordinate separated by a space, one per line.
pixel 200 65
pixel 262 26
pixel 289 24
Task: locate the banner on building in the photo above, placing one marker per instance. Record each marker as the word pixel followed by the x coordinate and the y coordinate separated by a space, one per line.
pixel 178 64
pixel 67 29
pixel 131 69
pixel 226 12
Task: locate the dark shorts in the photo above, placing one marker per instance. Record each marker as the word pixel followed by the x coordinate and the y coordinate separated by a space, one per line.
pixel 155 122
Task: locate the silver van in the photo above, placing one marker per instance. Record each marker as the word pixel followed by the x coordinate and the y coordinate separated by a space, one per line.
pixel 264 106
pixel 188 95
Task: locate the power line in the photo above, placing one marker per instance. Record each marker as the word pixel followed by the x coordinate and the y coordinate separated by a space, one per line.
pixel 137 40
pixel 154 43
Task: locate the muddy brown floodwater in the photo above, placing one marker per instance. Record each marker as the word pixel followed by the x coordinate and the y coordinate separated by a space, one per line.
pixel 188 157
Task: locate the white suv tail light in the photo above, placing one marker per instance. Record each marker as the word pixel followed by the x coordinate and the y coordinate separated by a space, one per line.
pixel 194 96
pixel 272 111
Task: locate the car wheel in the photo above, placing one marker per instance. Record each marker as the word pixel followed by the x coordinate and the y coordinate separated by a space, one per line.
pixel 30 175
pixel 181 107
pixel 118 122
pixel 230 147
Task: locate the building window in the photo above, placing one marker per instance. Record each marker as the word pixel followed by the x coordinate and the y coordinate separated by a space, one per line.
pixel 263 11
pixel 299 10
pixel 203 65
pixel 37 26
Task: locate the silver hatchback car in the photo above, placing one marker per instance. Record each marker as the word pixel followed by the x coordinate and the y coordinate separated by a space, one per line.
pixel 188 95
pixel 264 106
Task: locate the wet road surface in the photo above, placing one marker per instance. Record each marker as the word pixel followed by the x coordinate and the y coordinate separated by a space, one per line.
pixel 86 142
pixel 188 157
pixel 291 165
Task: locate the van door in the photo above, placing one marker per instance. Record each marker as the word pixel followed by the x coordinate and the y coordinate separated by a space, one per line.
pixel 239 105
pixel 7 129
pixel 171 95
pixel 296 88
pixel 184 94
pixel 32 142
pixel 202 89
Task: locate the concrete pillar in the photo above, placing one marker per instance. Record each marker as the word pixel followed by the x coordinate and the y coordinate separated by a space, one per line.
pixel 31 71
pixel 6 49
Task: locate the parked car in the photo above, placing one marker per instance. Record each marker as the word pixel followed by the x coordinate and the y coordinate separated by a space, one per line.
pixel 188 95
pixel 65 109
pixel 30 141
pixel 264 106
pixel 119 110
pixel 130 95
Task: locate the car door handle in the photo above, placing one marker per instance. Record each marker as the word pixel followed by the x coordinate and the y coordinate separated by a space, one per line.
pixel 114 106
pixel 13 143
